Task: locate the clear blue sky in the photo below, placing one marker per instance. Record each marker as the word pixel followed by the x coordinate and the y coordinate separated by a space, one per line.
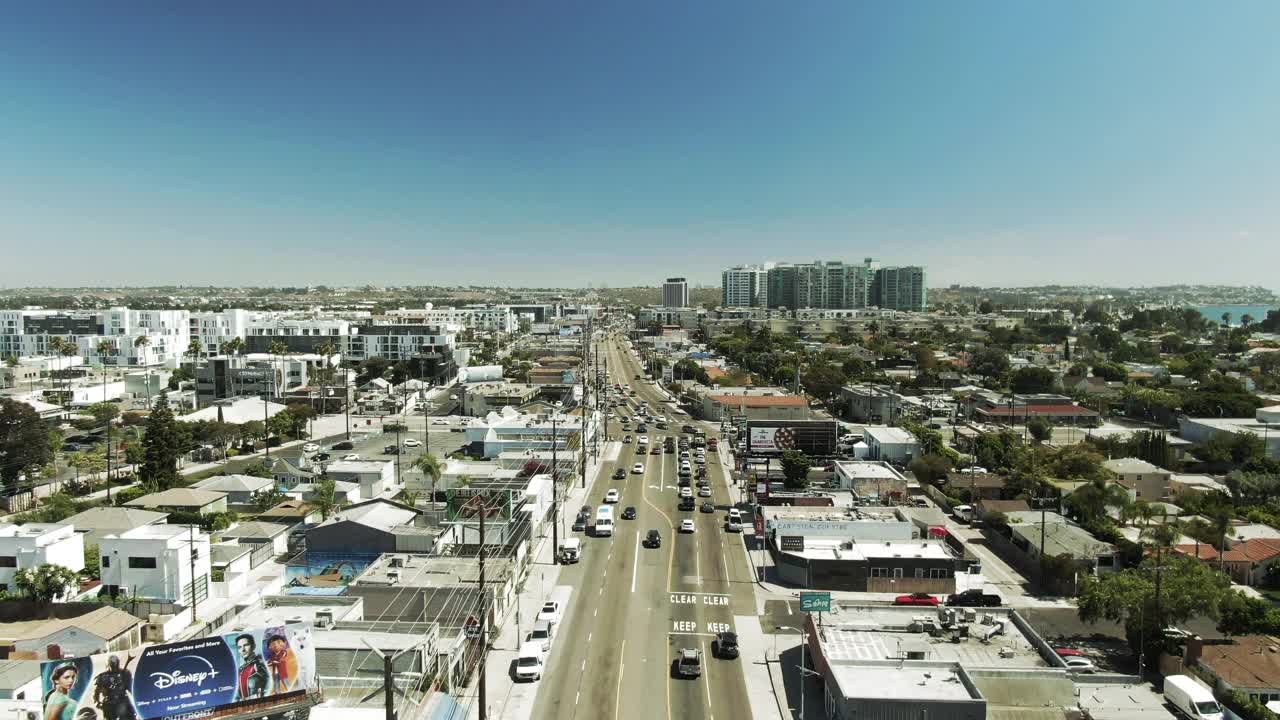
pixel 567 143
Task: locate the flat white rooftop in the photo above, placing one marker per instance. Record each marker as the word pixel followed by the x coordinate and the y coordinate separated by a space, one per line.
pixel 934 682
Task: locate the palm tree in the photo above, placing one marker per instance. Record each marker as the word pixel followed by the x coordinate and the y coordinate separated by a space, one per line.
pixel 1246 320
pixel 325 373
pixel 1226 319
pixel 432 467
pixel 325 498
pixel 140 344
pixel 68 350
pixel 105 348
pixel 234 346
pixel 193 349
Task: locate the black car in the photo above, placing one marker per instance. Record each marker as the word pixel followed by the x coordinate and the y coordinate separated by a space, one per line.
pixel 662 426
pixel 344 445
pixel 391 450
pixel 688 429
pixel 725 645
pixel 320 457
pixel 708 507
pixel 974 598
pixel 653 539
pixel 580 523
pixel 619 474
pixel 686 504
pixel 629 513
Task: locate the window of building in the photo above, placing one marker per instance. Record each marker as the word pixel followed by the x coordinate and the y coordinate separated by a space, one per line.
pixel 106 561
pixel 920 573
pixel 8 561
pixel 897 572
pixel 142 563
pixel 879 572
pixel 939 573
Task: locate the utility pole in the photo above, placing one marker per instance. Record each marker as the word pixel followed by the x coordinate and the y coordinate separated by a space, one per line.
pixel 555 495
pixel 484 616
pixel 192 555
pixel 388 688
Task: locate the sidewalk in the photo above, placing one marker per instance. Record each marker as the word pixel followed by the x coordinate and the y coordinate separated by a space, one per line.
pixel 508 699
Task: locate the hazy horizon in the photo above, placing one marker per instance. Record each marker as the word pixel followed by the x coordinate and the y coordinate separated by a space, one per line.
pixel 999 144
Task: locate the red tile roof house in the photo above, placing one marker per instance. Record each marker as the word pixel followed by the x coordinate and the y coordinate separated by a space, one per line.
pixel 1057 409
pixel 1246 561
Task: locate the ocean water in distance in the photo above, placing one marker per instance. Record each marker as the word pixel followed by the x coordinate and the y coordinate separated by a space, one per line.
pixel 1213 313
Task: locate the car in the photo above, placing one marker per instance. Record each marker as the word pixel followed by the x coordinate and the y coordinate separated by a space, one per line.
pixel 704 491
pixel 612 496
pixel 413 442
pixel 702 472
pixel 1080 665
pixel 662 426
pixel 708 507
pixel 629 513
pixel 653 539
pixel 320 457
pixel 725 645
pixel 637 469
pixel 688 664
pixel 685 491
pixel 390 450
pixel 529 663
pixel 688 429
pixel 310 448
pixel 686 504
pixel 580 523
pixel 656 450
pixel 686 526
pixel 619 474
pixel 626 440
pixel 550 611
pixel 344 445
pixel 733 521
pixel 669 450
pixel 350 458
pixel 917 598
pixel 1068 652
pixel 439 421
pixel 974 598
pixel 542 633
pixel 642 428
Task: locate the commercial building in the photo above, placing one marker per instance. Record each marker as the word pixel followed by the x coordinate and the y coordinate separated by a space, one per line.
pixel 28 333
pixel 481 398
pixel 1265 425
pixel 1018 409
pixel 156 561
pixel 372 527
pixel 755 407
pixel 513 431
pixel 675 292
pixel 891 444
pixel 870 478
pixel 831 563
pixel 901 288
pixel 23 547
pixel 481 318
pixel 744 286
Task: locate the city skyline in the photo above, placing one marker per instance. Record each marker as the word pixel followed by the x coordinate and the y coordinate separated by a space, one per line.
pixel 995 144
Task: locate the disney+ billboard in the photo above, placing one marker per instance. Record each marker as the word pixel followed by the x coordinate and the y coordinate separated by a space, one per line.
pixel 209 677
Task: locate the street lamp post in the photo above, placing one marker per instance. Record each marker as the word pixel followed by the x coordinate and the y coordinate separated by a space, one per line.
pixel 804 642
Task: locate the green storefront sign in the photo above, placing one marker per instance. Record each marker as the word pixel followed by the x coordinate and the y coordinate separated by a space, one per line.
pixel 815 602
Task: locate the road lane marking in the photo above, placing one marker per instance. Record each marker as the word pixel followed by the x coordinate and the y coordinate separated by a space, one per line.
pixel 589 636
pixel 707 685
pixel 635 570
pixel 617 695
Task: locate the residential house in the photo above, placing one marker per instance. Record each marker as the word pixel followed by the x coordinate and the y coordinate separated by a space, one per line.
pixel 229 566
pixel 891 444
pixel 1004 507
pixel 259 533
pixel 292 512
pixel 1181 484
pixel 155 561
pixel 344 493
pixel 20 680
pixel 1148 482
pixel 1061 537
pixel 1249 665
pixel 373 526
pixel 96 522
pixel 289 472
pixel 28 546
pixel 1092 386
pixel 106 629
pixel 375 477
pixel 188 500
pixel 981 486
pixel 1251 562
pixel 239 489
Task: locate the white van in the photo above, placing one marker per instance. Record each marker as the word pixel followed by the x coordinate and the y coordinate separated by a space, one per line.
pixel 529 663
pixel 963 513
pixel 604 521
pixel 1191 698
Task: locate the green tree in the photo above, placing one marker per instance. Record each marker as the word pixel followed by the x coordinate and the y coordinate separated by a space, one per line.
pixel 823 382
pixel 930 469
pixel 162 446
pixel 44 583
pixel 1239 614
pixel 325 498
pixel 1032 380
pixel 795 468
pixel 266 498
pixel 990 362
pixel 24 442
pixel 432 467
pixel 1089 503
pixel 1111 371
pixel 104 412
pixel 1189 588
pixel 1041 430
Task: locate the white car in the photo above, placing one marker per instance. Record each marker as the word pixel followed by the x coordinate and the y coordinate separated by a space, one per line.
pixel 1080 665
pixel 686 526
pixel 350 458
pixel 704 492
pixel 550 611
pixel 637 469
pixel 413 442
pixel 685 492
pixel 612 496
pixel 439 421
pixel 310 448
pixel 643 440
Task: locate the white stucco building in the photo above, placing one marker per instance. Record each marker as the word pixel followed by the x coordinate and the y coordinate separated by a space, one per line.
pixel 155 561
pixel 34 544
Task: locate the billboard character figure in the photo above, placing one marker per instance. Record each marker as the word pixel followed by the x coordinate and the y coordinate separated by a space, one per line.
pixel 282 664
pixel 111 691
pixel 252 680
pixel 58 703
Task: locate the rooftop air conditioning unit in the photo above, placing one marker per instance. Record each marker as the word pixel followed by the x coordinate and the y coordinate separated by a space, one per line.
pixel 393 576
pixel 324 619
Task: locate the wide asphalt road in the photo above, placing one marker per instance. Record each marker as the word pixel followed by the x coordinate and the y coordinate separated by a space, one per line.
pixel 632 608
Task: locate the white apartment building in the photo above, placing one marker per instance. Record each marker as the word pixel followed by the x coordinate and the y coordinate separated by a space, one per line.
pixel 744 286
pixel 213 329
pixel 401 342
pixel 481 318
pixel 374 476
pixel 154 561
pixel 34 544
pixel 29 333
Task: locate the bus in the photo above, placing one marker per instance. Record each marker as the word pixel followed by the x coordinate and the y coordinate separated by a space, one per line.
pixel 604 521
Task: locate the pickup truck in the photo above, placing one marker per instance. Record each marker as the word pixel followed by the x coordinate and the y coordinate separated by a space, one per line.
pixel 974 598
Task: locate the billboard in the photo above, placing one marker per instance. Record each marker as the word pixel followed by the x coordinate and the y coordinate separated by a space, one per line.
pixel 466 504
pixel 813 437
pixel 210 677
